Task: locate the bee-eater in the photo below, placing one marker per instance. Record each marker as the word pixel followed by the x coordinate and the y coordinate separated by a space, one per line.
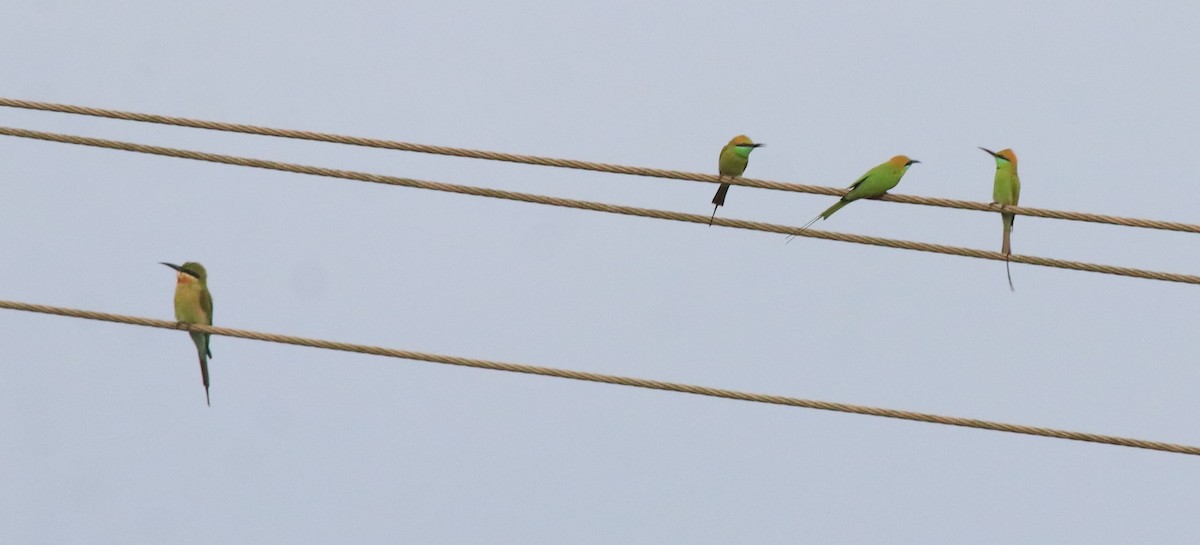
pixel 732 162
pixel 874 183
pixel 1006 191
pixel 193 305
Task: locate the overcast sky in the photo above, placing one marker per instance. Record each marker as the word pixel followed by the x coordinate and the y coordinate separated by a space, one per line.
pixel 106 438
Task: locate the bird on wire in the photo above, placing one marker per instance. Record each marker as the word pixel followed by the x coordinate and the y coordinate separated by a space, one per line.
pixel 193 305
pixel 732 162
pixel 874 183
pixel 1006 191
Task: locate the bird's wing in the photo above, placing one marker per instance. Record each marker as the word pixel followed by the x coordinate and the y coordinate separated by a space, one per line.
pixel 1016 194
pixel 859 189
pixel 860 181
pixel 206 304
pixel 857 184
pixel 722 158
pixel 730 163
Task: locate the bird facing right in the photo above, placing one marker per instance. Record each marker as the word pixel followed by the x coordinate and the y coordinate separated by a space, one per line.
pixel 734 158
pixel 875 183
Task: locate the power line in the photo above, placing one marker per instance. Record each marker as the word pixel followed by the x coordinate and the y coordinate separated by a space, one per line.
pixel 607 379
pixel 586 165
pixel 598 206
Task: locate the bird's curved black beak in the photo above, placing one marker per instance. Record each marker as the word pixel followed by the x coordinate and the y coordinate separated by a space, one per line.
pixel 990 151
pixel 176 267
pixel 913 161
pixel 757 145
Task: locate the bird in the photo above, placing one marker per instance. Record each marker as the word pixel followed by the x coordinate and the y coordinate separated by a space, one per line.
pixel 193 305
pixel 732 162
pixel 874 183
pixel 1006 191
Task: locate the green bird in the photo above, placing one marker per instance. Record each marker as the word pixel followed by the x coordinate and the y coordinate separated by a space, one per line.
pixel 193 305
pixel 874 183
pixel 1006 191
pixel 732 162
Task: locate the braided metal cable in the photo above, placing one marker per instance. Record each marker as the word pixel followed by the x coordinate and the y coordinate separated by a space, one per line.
pixel 608 379
pixel 587 165
pixel 598 206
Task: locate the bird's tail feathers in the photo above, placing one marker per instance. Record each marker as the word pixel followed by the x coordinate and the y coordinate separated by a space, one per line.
pixel 1006 246
pixel 201 341
pixel 719 198
pixel 806 226
pixel 204 377
pixel 1008 271
pixel 829 211
pixel 810 222
pixel 823 215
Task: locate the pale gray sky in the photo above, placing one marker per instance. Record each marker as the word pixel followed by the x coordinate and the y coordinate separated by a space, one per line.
pixel 106 438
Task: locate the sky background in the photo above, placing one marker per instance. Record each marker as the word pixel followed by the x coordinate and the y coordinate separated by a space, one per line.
pixel 106 438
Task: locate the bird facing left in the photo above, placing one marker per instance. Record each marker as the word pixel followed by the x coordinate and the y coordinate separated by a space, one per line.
pixel 193 305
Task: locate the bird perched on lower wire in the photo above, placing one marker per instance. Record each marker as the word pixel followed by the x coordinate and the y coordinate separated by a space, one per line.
pixel 732 162
pixel 1006 190
pixel 874 183
pixel 193 305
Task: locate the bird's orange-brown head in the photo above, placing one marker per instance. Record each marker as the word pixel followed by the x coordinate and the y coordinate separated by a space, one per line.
pixel 740 140
pixel 901 161
pixel 1005 154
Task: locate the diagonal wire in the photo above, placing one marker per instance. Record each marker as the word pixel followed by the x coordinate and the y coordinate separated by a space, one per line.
pixel 599 206
pixel 587 165
pixel 607 379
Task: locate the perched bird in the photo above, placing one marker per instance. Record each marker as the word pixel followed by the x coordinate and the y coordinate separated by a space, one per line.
pixel 734 158
pixel 1006 191
pixel 874 183
pixel 193 305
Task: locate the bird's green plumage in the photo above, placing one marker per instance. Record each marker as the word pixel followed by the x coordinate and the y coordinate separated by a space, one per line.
pixel 1006 190
pixel 874 183
pixel 836 206
pixel 193 305
pixel 734 158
